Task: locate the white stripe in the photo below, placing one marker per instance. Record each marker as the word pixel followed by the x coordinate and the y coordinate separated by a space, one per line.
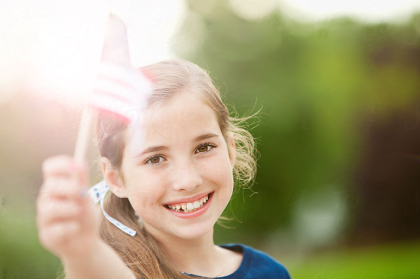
pixel 131 77
pixel 130 88
pixel 116 88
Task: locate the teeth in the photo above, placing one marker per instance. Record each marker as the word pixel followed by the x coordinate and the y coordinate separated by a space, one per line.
pixel 189 207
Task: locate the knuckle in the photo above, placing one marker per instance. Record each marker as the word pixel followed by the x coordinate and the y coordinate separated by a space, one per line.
pixel 56 188
pixel 46 165
pixel 56 164
pixel 49 164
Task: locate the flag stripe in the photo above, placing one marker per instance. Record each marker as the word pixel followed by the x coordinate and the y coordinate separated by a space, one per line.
pixel 100 93
pixel 121 91
pixel 134 78
pixel 111 104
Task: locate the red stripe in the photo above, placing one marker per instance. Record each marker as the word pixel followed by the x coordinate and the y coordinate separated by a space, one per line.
pixel 147 75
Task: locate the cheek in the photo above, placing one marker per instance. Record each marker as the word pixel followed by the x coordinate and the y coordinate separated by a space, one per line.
pixel 219 170
pixel 145 204
pixel 146 190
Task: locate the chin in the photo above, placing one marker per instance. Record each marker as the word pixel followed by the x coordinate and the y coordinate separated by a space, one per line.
pixel 195 231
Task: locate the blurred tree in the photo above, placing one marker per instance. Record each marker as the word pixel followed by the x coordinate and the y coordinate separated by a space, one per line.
pixel 315 83
pixel 387 176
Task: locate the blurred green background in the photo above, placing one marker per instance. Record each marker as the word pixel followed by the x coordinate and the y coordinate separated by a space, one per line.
pixel 338 136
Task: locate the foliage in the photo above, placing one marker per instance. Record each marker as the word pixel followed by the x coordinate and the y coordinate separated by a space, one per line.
pixel 22 256
pixel 314 82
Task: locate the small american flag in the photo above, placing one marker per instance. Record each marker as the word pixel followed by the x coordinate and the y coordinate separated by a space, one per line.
pixel 121 91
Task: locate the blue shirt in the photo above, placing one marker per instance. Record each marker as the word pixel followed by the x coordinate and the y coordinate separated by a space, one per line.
pixel 255 264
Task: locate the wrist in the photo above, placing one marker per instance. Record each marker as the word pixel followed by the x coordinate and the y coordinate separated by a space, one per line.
pixel 90 252
pixel 101 261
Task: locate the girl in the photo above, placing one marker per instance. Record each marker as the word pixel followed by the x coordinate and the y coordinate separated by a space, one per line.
pixel 171 194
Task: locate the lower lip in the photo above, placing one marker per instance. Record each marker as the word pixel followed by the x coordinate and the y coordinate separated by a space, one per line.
pixel 194 214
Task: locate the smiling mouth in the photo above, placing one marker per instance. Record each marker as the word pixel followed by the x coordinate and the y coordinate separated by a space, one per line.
pixel 190 206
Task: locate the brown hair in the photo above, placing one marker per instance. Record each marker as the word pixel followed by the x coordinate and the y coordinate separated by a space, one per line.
pixel 142 253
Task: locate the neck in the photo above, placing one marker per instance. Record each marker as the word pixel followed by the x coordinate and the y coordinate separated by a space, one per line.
pixel 196 256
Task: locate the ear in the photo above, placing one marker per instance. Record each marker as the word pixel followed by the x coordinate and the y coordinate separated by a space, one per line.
pixel 112 178
pixel 232 151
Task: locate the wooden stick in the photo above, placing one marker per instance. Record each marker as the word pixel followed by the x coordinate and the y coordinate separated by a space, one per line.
pixel 83 134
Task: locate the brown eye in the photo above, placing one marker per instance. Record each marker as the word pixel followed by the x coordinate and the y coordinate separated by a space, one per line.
pixel 154 160
pixel 204 148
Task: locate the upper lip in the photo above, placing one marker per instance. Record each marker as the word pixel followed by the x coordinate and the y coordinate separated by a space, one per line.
pixel 190 199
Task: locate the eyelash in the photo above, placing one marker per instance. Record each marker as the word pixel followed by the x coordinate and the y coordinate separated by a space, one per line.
pixel 206 144
pixel 152 157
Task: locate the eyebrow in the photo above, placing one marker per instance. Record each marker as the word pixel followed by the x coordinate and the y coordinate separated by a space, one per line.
pixel 154 149
pixel 162 147
pixel 205 136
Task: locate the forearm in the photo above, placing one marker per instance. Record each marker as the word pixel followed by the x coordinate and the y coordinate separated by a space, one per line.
pixel 102 263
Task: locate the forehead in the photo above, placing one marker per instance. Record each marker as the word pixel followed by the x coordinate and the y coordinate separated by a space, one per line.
pixel 182 116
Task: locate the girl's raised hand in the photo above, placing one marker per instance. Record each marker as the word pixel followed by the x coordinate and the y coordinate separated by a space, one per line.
pixel 68 223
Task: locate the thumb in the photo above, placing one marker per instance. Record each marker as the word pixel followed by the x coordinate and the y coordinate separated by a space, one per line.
pixel 81 176
pixel 115 49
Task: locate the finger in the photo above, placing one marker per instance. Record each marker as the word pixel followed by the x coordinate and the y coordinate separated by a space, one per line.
pixel 57 164
pixel 60 188
pixel 82 176
pixel 64 167
pixel 58 234
pixel 60 166
pixel 59 211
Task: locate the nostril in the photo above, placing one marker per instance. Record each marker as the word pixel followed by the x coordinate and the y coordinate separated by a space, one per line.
pixel 186 178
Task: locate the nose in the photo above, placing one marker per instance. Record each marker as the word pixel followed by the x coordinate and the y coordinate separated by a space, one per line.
pixel 186 176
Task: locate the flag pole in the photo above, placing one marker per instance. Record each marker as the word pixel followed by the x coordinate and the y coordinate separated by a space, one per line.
pixel 83 134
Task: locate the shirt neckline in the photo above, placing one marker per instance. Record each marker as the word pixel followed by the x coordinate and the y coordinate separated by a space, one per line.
pixel 243 268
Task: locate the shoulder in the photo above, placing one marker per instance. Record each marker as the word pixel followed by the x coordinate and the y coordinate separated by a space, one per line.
pixel 257 264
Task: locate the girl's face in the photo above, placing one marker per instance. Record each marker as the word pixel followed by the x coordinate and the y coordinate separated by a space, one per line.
pixel 182 181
